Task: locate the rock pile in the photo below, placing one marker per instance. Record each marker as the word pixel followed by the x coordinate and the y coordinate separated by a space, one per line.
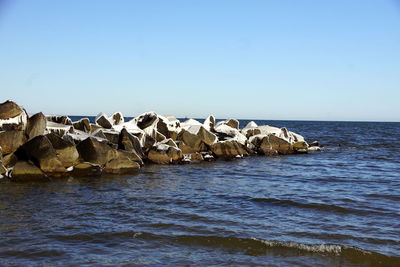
pixel 43 146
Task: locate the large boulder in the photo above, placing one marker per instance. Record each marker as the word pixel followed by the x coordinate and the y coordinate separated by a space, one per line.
pixel 130 143
pixel 103 121
pixel 228 149
pixel 11 140
pixel 66 151
pixel 109 134
pixel 165 154
pixel 170 129
pixel 270 144
pixel 190 142
pixel 95 151
pixel 26 171
pixel 86 169
pixel 12 116
pixel 36 125
pixel 40 151
pixel 82 125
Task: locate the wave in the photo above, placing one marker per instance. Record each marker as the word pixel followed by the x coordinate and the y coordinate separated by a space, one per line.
pixel 248 246
pixel 317 206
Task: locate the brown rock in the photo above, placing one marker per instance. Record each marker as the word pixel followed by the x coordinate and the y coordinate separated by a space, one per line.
pixel 10 160
pixel 66 151
pixel 11 140
pixel 164 154
pixel 86 169
pixel 36 125
pixel 9 109
pixel 94 151
pixel 26 171
pixel 117 118
pixel 103 121
pixel 146 119
pixel 228 149
pixel 59 119
pixel 130 143
pixel 40 151
pixel 121 166
pixel 82 125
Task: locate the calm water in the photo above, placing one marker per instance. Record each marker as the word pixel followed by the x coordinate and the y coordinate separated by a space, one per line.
pixel 340 207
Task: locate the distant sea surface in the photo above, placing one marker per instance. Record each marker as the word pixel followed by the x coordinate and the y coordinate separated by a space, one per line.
pixel 339 207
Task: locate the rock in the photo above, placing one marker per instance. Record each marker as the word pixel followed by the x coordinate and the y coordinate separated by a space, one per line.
pixel 82 125
pixel 40 151
pixel 66 151
pixel 169 142
pixel 9 160
pixel 194 157
pixel 86 169
pixel 58 128
pixel 3 170
pixel 164 154
pixel 301 145
pixel 100 133
pixel 314 143
pixel 59 119
pixel 314 148
pixel 11 140
pixel 12 117
pixel 191 142
pixel 251 124
pixel 234 123
pixel 270 144
pixel 209 123
pixel 130 143
pixel 225 132
pixel 170 129
pixel 122 154
pixel 36 125
pixel 111 135
pixel 249 132
pixel 103 121
pixel 117 118
pixel 228 149
pixel 95 151
pixel 146 119
pixel 94 127
pixel 121 166
pixel 9 109
pixel 26 171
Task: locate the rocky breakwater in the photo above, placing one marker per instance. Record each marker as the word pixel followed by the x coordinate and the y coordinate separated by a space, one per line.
pixel 44 147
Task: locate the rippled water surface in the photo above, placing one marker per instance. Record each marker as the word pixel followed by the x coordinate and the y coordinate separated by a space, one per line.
pixel 339 207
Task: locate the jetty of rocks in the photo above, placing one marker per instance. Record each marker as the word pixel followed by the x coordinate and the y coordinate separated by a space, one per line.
pixel 46 146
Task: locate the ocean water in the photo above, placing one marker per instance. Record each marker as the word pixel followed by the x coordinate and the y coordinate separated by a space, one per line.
pixel 338 207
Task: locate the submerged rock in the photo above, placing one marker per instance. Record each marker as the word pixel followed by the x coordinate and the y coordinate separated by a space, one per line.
pixel 86 169
pixel 121 166
pixel 26 171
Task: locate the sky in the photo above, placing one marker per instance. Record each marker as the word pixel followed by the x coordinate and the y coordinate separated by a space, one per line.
pixel 249 59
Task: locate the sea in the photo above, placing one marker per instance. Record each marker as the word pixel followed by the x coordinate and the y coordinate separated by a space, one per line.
pixel 337 207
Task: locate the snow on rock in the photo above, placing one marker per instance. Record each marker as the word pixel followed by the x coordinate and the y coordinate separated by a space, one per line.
pixel 209 123
pixel 12 116
pixel 225 132
pixel 251 124
pixel 190 122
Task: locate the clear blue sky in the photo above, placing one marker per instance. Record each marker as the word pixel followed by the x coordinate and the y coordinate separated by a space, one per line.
pixel 318 60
